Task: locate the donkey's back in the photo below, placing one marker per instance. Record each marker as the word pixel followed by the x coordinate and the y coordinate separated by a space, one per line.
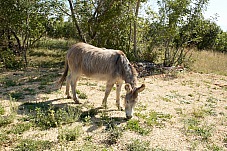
pixel 99 63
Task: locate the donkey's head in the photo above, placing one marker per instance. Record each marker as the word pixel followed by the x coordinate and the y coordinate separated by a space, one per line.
pixel 131 98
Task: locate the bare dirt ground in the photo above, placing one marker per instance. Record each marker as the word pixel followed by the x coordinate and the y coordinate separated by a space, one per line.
pixel 193 109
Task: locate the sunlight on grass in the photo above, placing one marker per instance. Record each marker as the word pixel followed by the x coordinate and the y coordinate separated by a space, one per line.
pixel 209 62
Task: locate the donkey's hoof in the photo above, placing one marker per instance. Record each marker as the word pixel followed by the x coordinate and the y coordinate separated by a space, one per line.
pixel 120 108
pixel 69 97
pixel 104 106
pixel 77 102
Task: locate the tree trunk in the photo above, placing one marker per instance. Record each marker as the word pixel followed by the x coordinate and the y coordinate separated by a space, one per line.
pixel 135 29
pixel 75 21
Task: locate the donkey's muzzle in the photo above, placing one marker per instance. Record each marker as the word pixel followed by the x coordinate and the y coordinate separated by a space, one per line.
pixel 128 117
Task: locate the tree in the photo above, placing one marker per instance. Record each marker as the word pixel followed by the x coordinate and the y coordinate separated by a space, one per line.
pixel 173 26
pixel 24 22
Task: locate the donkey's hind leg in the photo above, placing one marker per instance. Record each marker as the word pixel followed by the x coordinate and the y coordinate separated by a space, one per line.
pixel 74 79
pixel 118 91
pixel 109 86
pixel 68 80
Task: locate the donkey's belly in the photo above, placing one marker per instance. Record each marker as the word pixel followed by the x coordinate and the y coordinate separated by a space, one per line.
pixel 103 77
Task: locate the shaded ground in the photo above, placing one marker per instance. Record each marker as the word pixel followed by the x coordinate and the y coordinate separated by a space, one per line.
pixel 179 111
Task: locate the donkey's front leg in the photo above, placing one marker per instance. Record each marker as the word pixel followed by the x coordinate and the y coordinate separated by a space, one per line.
pixel 118 99
pixel 107 92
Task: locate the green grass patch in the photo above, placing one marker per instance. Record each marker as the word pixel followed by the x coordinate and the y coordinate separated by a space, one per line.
pixel 4 138
pixel 113 135
pixel 71 134
pixel 55 117
pixel 29 91
pixel 135 126
pixel 138 145
pixel 8 82
pixel 154 118
pixel 192 126
pixel 2 110
pixel 5 120
pixel 45 115
pixel 81 95
pixel 33 145
pixel 20 128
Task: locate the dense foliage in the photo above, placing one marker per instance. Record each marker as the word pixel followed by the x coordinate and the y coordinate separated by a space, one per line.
pixel 166 35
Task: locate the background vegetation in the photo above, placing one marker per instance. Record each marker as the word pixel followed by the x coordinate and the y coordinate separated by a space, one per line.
pixel 166 36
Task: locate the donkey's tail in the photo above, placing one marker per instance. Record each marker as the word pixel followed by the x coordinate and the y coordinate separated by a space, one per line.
pixel 63 77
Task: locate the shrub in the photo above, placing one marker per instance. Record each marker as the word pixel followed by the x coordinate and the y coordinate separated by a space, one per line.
pixel 9 60
pixel 33 145
pixel 71 134
pixel 5 120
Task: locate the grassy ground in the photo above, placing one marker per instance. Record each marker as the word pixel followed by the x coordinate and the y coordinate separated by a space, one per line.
pixel 209 62
pixel 187 112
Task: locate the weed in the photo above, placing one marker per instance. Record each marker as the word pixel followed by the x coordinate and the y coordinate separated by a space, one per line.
pixel 166 99
pixel 2 110
pixel 214 147
pixel 157 118
pixel 225 139
pixel 3 138
pixel 187 82
pixel 81 95
pixel 140 107
pixel 190 95
pixel 17 95
pixel 20 128
pixel 41 87
pixel 192 126
pixel 9 82
pixel 114 135
pixel 154 118
pixel 91 84
pixel 84 116
pixel 50 116
pixel 134 125
pixel 29 91
pixel 102 88
pixel 199 113
pixel 138 145
pixel 71 134
pixel 202 112
pixel 33 145
pixel 179 111
pixel 6 120
pixel 212 100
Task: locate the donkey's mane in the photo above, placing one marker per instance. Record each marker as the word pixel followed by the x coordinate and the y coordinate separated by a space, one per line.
pixel 129 72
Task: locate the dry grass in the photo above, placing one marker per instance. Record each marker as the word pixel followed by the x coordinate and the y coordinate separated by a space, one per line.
pixel 209 62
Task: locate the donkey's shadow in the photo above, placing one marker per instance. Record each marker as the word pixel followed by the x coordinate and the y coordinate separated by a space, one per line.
pixel 99 118
pixel 95 117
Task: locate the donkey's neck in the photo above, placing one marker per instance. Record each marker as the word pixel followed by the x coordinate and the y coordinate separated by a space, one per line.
pixel 130 74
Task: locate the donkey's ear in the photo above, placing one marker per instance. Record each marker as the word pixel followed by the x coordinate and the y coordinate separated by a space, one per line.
pixel 141 88
pixel 128 87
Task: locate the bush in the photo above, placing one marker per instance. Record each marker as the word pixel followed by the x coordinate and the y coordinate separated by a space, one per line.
pixel 9 60
pixel 71 134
